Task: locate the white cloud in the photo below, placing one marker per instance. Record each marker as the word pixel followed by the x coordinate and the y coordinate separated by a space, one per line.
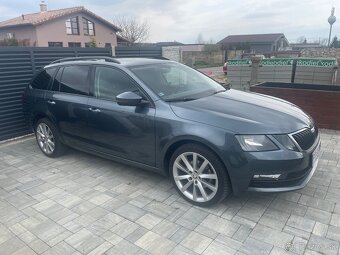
pixel 183 20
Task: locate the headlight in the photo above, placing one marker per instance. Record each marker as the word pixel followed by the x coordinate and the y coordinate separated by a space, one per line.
pixel 256 143
pixel 286 142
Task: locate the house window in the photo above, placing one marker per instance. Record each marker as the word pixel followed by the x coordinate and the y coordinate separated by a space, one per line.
pixel 9 35
pixel 74 44
pixel 88 27
pixel 108 45
pixel 72 26
pixel 55 44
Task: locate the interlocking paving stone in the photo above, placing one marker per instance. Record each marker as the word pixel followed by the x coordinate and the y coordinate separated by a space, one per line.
pixel 218 248
pixel 318 215
pixel 335 221
pixel 323 245
pixel 301 223
pixel 149 221
pixel 220 225
pixel 333 233
pixel 5 234
pixel 242 233
pixel 135 235
pixel 166 228
pixel 12 245
pixel 196 242
pixel 320 229
pixel 84 241
pixel 155 244
pixel 130 212
pixel 79 204
pixel 123 248
pixel 252 246
pixel 271 236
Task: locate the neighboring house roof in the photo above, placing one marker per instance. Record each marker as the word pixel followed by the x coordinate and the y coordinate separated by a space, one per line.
pixel 38 18
pixel 305 45
pixel 174 43
pixel 254 38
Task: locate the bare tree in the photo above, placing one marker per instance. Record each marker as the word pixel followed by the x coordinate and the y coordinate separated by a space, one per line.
pixel 323 41
pixel 132 30
pixel 301 39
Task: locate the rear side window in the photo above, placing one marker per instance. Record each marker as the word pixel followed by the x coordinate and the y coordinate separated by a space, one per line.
pixel 74 80
pixel 43 79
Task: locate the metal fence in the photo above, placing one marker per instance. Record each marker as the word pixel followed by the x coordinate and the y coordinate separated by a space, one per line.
pixel 17 66
pixel 143 51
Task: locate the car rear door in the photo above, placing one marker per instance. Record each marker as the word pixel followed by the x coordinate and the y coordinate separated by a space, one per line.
pixel 122 131
pixel 67 103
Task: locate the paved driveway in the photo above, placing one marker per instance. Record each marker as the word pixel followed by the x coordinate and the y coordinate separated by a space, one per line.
pixel 80 204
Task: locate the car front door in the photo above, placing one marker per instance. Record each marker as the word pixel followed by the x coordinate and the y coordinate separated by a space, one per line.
pixel 67 103
pixel 122 131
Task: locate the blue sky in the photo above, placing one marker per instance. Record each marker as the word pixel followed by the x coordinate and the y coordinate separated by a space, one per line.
pixel 184 20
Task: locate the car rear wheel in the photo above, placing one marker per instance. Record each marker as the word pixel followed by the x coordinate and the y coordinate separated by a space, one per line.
pixel 48 138
pixel 198 175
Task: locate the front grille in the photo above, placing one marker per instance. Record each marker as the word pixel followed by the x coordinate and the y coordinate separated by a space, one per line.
pixel 306 138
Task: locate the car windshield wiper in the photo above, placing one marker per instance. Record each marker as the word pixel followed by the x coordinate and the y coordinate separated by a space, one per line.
pixel 219 91
pixel 183 99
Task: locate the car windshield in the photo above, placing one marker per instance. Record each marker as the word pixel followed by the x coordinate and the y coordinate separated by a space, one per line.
pixel 176 82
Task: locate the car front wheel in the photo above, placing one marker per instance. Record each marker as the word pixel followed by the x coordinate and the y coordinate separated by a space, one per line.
pixel 198 175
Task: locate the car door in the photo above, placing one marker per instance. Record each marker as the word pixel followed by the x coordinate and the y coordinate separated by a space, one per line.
pixel 67 103
pixel 122 131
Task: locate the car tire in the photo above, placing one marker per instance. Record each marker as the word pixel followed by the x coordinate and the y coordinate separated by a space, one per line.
pixel 203 185
pixel 48 138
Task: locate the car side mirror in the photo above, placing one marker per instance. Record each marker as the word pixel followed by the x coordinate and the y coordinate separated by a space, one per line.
pixel 129 98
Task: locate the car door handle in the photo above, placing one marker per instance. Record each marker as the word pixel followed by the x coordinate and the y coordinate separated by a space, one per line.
pixel 94 109
pixel 50 102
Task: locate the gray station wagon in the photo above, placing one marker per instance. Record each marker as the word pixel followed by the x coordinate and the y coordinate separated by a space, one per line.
pixel 171 119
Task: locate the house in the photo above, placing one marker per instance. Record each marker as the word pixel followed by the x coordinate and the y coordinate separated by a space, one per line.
pixel 256 43
pixel 69 27
pixel 305 45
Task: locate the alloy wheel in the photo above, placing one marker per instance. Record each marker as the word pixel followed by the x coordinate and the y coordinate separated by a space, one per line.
pixel 45 138
pixel 195 177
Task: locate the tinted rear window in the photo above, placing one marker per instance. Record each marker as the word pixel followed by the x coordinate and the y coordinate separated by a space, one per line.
pixel 43 79
pixel 74 80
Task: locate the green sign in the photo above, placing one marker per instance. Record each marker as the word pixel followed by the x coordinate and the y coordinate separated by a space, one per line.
pixel 316 62
pixel 277 62
pixel 239 62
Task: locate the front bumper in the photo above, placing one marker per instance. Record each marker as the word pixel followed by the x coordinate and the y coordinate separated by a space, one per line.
pixel 295 170
pixel 294 180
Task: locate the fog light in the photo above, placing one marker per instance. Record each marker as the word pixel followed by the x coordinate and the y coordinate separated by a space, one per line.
pixel 267 176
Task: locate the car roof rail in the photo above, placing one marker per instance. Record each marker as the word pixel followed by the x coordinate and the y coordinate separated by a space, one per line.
pixel 93 58
pixel 160 57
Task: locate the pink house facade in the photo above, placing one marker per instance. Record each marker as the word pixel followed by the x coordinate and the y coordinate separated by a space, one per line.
pixel 70 27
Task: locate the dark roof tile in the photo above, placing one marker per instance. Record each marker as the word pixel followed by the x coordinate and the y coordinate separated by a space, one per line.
pixel 251 38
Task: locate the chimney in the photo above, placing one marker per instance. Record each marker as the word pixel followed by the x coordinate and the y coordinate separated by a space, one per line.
pixel 43 6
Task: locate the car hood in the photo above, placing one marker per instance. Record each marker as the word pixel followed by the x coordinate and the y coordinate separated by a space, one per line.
pixel 244 113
